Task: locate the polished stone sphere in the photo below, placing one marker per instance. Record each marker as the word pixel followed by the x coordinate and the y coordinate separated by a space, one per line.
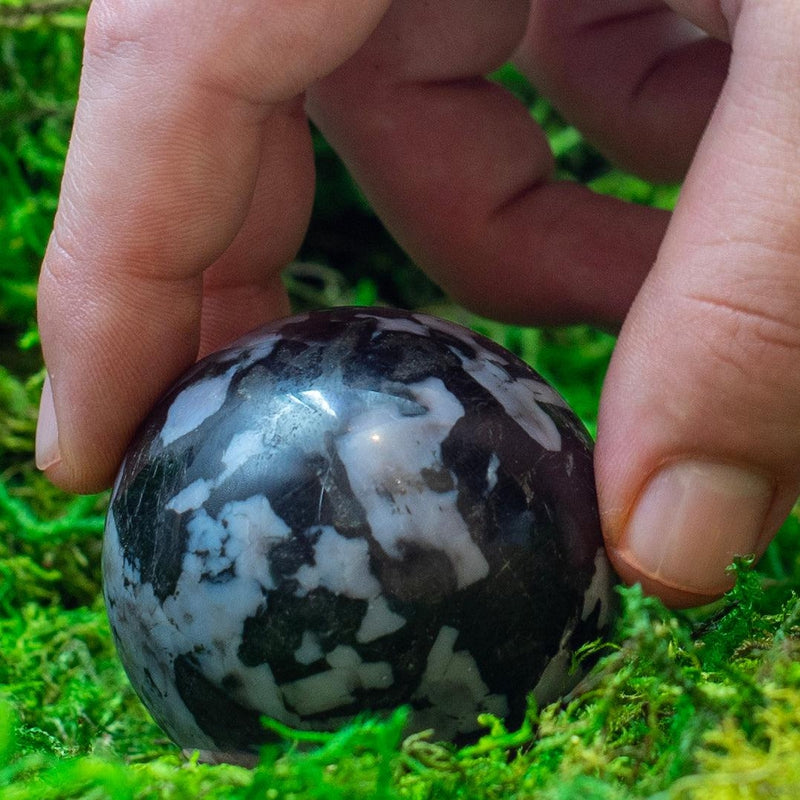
pixel 345 512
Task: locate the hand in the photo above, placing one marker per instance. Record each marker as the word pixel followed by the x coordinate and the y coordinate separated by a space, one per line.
pixel 189 180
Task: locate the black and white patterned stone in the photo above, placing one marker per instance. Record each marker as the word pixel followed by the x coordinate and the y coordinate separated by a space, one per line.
pixel 348 511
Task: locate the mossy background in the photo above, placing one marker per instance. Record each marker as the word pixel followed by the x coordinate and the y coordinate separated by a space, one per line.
pixel 681 706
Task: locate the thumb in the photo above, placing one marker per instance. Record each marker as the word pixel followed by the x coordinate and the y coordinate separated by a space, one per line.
pixel 698 453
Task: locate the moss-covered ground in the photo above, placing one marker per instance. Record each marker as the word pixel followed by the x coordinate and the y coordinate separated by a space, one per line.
pixel 684 706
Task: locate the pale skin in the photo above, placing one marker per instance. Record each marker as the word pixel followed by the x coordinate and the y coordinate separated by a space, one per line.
pixel 189 182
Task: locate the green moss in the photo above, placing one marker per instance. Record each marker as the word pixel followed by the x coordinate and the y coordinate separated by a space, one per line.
pixel 651 717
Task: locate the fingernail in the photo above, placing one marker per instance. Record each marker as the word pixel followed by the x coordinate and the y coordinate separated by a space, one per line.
pixel 692 520
pixel 48 453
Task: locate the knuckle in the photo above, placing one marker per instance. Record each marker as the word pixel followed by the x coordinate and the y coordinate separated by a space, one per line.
pixel 116 27
pixel 62 283
pixel 754 338
pixel 58 266
pixel 148 31
pixel 160 40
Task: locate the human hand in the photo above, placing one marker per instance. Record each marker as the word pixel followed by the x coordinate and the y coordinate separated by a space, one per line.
pixel 189 181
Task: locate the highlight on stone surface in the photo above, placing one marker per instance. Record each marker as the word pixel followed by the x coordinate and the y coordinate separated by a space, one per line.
pixel 348 511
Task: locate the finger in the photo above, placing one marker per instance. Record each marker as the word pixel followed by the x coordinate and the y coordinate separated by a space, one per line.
pixel 461 174
pixel 177 114
pixel 243 287
pixel 636 78
pixel 698 456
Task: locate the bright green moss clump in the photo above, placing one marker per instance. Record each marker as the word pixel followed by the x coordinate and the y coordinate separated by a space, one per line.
pixel 652 720
pixel 698 706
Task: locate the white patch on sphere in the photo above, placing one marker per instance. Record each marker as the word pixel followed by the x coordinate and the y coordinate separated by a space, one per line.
pixel 519 397
pixel 259 344
pixel 491 472
pixel 316 400
pixel 452 683
pixel 191 497
pixel 240 538
pixel 334 688
pixel 258 689
pixel 310 649
pixel 386 455
pixel 432 323
pixel 224 578
pixel 375 675
pixel 558 677
pixel 222 583
pixel 343 657
pixel 341 566
pixel 194 405
pixel 147 641
pixel 378 621
pixel 321 692
pixel 600 590
pixel 397 324
pixel 555 679
pixel 243 446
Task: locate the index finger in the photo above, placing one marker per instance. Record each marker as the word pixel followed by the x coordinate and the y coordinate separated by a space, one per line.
pixel 185 133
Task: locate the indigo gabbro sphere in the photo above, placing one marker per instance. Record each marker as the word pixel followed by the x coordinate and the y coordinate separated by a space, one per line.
pixel 349 511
